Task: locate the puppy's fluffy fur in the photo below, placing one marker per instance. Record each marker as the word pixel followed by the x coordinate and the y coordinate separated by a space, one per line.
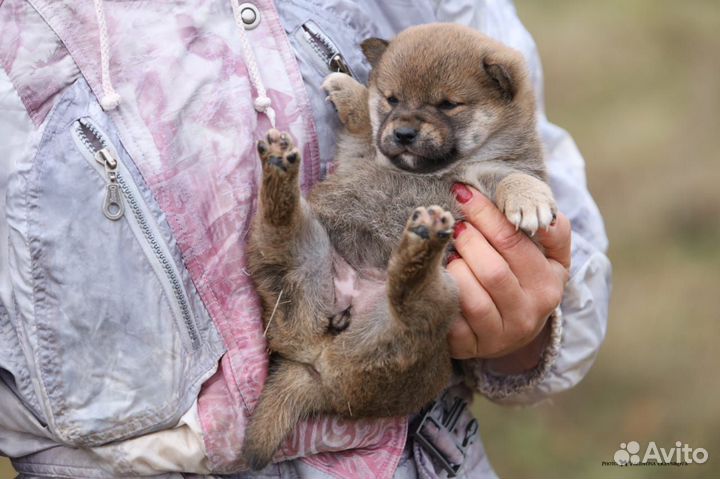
pixel 357 304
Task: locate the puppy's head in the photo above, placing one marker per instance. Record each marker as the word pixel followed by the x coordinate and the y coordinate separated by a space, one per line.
pixel 440 93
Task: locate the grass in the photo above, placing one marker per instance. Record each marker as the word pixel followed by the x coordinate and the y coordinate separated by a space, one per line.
pixel 636 83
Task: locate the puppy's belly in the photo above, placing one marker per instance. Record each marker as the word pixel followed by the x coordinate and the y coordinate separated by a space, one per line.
pixel 357 291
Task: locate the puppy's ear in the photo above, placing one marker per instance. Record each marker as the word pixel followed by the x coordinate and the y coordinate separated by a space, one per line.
pixel 504 73
pixel 373 48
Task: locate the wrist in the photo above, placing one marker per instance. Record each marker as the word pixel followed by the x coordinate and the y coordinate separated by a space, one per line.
pixel 524 359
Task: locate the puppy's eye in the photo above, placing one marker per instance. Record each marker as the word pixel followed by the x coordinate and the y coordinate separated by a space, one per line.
pixel 447 105
pixel 392 100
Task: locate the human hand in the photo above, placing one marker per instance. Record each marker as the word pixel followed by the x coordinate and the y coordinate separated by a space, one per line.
pixel 508 287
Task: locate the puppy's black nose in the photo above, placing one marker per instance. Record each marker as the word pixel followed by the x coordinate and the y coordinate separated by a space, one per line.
pixel 405 135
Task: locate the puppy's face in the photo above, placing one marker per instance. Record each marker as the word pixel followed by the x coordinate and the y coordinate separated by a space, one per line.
pixel 438 92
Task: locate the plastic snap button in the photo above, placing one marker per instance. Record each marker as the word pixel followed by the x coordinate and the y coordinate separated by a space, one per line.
pixel 250 15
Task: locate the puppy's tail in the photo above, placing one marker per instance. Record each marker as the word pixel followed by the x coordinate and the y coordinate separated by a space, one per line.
pixel 291 394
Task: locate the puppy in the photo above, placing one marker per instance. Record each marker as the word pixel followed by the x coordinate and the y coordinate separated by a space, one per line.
pixel 356 301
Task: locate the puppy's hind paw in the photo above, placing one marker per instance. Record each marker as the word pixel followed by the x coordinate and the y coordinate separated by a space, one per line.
pixel 278 151
pixel 431 223
pixel 418 259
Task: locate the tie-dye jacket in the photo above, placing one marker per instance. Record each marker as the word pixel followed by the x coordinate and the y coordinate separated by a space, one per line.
pixel 115 332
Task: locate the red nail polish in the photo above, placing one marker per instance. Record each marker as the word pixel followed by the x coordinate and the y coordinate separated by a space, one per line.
pixel 452 257
pixel 459 228
pixel 462 193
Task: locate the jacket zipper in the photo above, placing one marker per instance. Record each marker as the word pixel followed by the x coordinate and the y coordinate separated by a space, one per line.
pixel 325 48
pixel 121 190
pixel 113 206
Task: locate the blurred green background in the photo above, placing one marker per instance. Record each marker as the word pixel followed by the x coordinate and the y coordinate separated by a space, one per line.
pixel 637 83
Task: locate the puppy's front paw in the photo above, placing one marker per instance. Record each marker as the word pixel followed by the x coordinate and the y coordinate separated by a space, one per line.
pixel 350 100
pixel 278 151
pixel 527 202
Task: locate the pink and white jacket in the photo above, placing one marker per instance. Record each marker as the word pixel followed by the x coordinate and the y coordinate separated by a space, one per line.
pixel 130 335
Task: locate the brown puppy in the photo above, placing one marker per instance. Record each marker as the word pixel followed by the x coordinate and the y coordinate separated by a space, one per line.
pixel 356 302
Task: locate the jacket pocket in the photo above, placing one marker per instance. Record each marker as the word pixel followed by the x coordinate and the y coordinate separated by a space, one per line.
pixel 122 201
pixel 113 325
pixel 320 49
pixel 323 43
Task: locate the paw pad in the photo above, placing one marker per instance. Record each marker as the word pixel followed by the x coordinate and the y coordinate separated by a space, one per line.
pixel 278 150
pixel 432 222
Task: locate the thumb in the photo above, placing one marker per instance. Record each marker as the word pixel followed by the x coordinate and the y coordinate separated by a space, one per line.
pixel 556 241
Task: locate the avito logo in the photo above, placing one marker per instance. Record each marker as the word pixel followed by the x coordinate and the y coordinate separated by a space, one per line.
pixel 629 454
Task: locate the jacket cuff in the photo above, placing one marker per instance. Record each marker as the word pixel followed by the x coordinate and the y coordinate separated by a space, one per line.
pixel 497 386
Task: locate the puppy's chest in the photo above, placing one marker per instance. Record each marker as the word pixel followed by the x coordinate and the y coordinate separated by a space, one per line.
pixel 365 214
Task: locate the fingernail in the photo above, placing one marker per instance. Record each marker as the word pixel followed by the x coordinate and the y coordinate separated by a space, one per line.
pixel 452 257
pixel 459 228
pixel 462 193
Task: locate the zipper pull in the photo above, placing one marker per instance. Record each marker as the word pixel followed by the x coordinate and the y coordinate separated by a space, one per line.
pixel 113 206
pixel 338 64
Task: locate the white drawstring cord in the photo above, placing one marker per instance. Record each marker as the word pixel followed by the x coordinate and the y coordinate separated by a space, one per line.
pixel 262 103
pixel 110 99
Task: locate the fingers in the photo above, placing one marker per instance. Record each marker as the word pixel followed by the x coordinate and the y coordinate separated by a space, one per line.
pixel 508 286
pixel 556 241
pixel 479 314
pixel 512 244
pixel 488 267
pixel 475 301
pixel 483 331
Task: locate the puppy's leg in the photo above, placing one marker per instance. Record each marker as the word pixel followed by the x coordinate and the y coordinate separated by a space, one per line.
pixel 351 101
pixel 289 252
pixel 526 201
pixel 290 395
pixel 414 273
pixel 290 261
pixel 280 192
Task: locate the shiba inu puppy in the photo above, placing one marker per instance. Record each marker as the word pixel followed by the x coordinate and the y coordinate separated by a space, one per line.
pixel 357 303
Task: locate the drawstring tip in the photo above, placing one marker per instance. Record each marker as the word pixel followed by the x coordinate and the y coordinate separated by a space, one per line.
pixel 262 103
pixel 271 116
pixel 110 101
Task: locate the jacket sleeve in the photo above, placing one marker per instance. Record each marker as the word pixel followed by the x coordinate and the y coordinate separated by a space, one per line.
pixel 579 325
